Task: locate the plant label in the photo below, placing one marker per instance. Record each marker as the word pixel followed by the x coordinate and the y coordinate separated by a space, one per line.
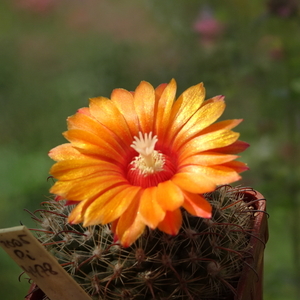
pixel 40 265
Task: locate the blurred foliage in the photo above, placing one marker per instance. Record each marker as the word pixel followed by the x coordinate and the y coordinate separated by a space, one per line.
pixel 54 55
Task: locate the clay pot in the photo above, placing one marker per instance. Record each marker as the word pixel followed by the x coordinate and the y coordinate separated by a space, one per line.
pixel 35 293
pixel 250 286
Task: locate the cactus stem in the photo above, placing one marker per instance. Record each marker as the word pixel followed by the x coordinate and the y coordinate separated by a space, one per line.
pixel 204 260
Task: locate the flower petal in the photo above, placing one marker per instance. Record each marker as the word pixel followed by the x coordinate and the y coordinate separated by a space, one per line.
pixel 79 168
pixel 95 145
pixel 150 210
pixel 193 183
pixel 76 215
pixel 202 118
pixel 164 106
pixel 64 151
pixel 123 100
pixel 85 111
pixel 111 205
pixel 172 222
pixel 209 141
pixel 238 166
pixel 130 225
pixel 236 147
pixel 90 124
pixel 95 214
pixel 184 108
pixel 89 187
pixel 132 233
pixel 218 174
pixel 144 103
pixel 197 205
pixel 227 124
pixel 208 159
pixel 169 195
pixel 159 90
pixel 106 112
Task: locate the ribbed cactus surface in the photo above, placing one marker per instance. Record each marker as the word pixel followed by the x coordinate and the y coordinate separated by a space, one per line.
pixel 203 261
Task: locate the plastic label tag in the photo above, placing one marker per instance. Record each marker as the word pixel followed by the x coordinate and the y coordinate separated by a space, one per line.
pixel 40 265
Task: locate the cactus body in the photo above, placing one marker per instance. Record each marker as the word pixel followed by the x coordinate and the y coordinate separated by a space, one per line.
pixel 203 262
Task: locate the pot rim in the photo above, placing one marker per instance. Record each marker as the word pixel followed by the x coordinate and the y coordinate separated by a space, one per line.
pixel 250 285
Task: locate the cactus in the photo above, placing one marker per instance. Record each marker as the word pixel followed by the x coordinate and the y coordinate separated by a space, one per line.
pixel 204 261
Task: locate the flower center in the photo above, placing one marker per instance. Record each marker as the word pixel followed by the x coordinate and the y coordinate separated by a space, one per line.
pixel 149 160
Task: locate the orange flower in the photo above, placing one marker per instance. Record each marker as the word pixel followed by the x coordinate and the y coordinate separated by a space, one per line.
pixel 137 158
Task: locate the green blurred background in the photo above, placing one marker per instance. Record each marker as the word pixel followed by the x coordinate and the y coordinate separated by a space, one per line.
pixel 55 54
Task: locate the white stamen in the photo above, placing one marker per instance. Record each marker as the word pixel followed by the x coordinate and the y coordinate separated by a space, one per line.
pixel 149 160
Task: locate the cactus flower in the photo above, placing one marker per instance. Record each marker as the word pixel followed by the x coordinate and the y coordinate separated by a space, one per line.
pixel 135 159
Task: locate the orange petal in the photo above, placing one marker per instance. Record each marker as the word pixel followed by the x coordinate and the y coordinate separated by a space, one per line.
pixel 236 147
pixel 171 223
pixel 106 112
pixel 144 103
pixel 132 233
pixel 76 215
pixel 238 166
pixel 64 151
pixel 202 118
pixel 79 189
pixel 184 107
pixel 159 90
pixel 91 125
pixel 207 159
pixel 218 174
pixel 123 100
pixel 130 219
pixel 93 144
pixel 164 106
pixel 213 140
pixel 95 214
pixel 193 183
pixel 61 188
pixel 197 205
pixel 111 205
pixel 227 124
pixel 78 168
pixel 85 111
pixel 113 227
pixel 150 210
pixel 169 195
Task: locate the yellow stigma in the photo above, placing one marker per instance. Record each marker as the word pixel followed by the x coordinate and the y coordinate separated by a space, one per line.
pixel 149 160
